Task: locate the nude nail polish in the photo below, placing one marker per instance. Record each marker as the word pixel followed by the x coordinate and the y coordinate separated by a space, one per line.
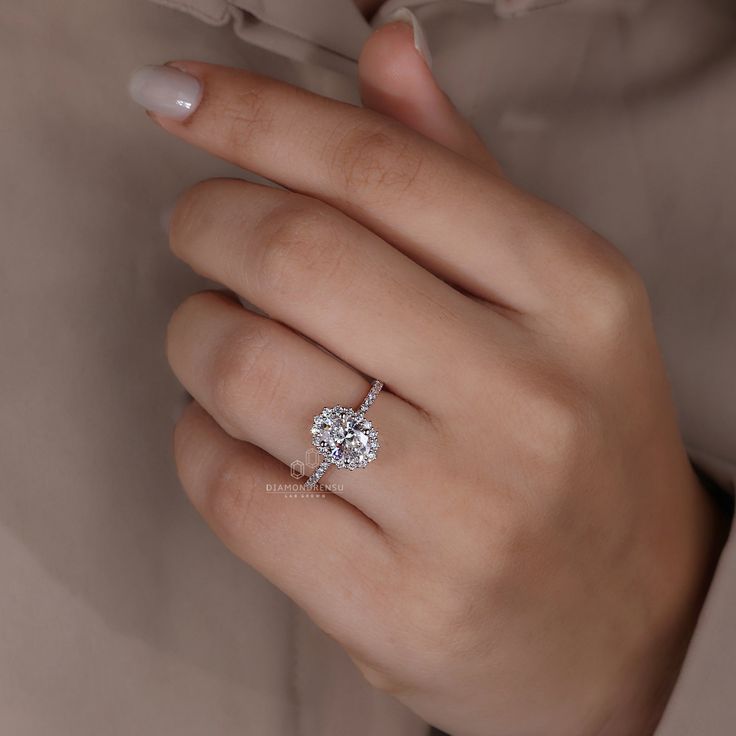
pixel 165 91
pixel 404 15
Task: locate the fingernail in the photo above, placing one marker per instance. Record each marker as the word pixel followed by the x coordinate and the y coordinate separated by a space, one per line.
pixel 165 91
pixel 404 15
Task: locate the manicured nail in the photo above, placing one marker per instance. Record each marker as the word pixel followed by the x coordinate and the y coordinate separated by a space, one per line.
pixel 165 91
pixel 404 15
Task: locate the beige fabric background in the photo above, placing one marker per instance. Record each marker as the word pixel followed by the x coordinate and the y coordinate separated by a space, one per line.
pixel 119 612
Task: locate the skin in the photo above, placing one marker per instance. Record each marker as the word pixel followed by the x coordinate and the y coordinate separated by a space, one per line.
pixel 530 550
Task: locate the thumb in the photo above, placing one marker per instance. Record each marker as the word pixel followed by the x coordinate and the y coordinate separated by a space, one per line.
pixel 396 80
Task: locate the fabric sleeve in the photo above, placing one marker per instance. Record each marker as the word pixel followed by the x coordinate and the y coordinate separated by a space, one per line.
pixel 703 702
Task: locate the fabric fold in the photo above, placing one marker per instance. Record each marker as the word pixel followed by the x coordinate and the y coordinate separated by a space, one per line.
pixel 328 33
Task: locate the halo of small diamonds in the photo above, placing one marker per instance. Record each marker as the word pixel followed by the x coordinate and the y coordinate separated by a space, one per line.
pixel 345 437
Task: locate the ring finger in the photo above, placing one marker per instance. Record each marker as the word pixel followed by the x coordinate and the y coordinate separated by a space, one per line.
pixel 263 383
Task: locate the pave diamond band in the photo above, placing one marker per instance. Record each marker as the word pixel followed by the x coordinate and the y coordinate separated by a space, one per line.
pixel 344 437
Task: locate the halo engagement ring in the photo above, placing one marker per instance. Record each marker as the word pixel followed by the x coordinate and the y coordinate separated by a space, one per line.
pixel 344 437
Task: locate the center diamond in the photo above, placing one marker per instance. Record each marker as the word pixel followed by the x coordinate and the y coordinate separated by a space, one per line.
pixel 345 437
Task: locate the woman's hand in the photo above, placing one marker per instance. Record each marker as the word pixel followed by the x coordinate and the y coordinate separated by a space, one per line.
pixel 529 550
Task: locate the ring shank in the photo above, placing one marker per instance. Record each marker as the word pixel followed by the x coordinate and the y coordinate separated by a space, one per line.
pixel 314 479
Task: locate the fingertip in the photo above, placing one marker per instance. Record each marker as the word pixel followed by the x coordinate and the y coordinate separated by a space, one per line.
pixel 396 81
pixel 405 17
pixel 389 58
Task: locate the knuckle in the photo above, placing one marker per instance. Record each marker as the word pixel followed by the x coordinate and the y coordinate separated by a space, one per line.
pixel 240 375
pixel 618 298
pixel 180 319
pixel 229 496
pixel 247 117
pixel 191 212
pixel 299 246
pixel 186 442
pixel 556 418
pixel 374 159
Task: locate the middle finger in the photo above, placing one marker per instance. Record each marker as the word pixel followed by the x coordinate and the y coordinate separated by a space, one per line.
pixel 313 268
pixel 466 225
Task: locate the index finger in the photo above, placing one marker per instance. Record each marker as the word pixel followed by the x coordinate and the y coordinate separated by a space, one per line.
pixel 466 225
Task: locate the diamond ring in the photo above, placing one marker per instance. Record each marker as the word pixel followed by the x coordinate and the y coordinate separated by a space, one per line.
pixel 344 437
